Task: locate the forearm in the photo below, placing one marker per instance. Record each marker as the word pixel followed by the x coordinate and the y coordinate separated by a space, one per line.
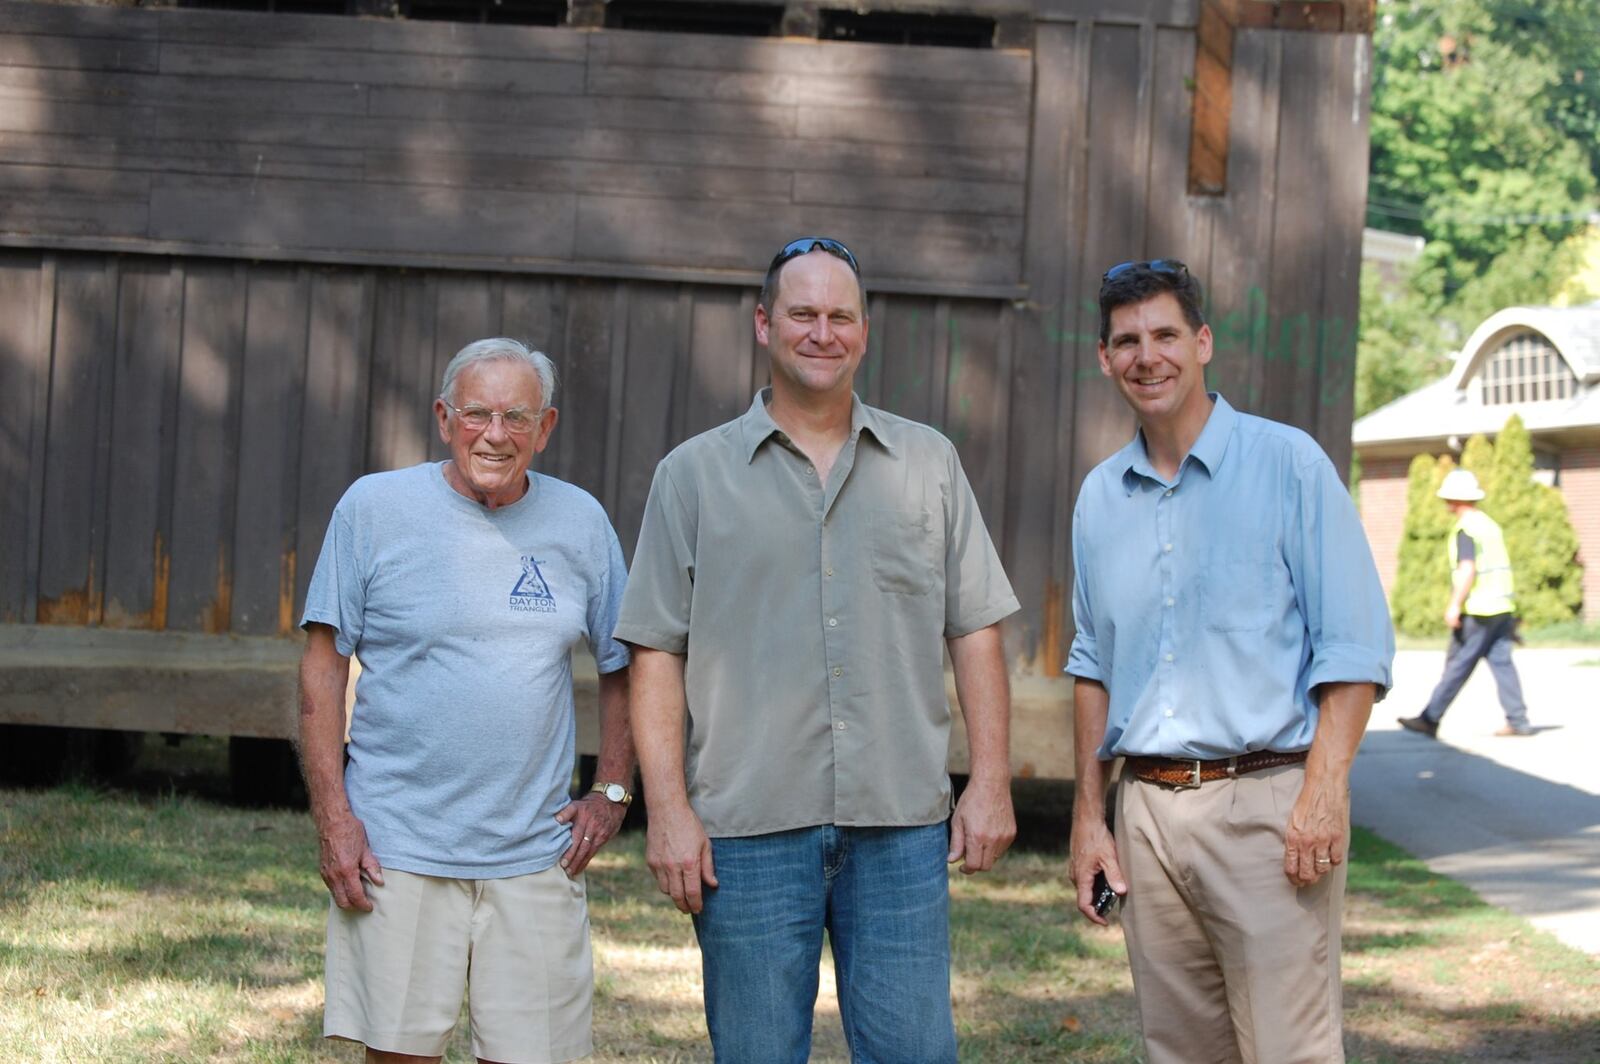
pixel 324 675
pixel 657 709
pixel 984 690
pixel 1091 704
pixel 616 761
pixel 1341 723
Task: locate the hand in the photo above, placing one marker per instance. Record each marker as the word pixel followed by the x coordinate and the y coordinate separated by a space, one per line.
pixel 595 819
pixel 1452 616
pixel 982 826
pixel 346 861
pixel 1093 851
pixel 679 853
pixel 1319 829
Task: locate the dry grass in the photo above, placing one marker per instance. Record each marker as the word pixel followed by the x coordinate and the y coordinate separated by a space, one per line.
pixel 138 928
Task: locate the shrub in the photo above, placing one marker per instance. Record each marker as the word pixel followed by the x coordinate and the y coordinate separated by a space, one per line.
pixel 1539 536
pixel 1422 581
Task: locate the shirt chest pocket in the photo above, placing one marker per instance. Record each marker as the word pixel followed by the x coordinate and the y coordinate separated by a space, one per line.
pixel 904 551
pixel 1234 595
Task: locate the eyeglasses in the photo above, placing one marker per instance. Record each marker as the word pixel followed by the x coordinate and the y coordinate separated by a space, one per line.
pixel 1170 267
pixel 518 421
pixel 807 244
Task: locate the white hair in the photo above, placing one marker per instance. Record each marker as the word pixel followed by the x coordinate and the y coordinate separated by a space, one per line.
pixel 499 349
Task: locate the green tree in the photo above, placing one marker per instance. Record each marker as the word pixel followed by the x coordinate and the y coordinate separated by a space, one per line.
pixel 1422 581
pixel 1539 533
pixel 1486 142
pixel 1533 516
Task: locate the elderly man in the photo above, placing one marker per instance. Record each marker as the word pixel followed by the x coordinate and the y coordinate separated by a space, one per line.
pixel 451 849
pixel 1231 638
pixel 799 574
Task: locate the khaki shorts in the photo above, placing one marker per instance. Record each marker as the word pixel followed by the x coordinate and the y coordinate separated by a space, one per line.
pixel 396 975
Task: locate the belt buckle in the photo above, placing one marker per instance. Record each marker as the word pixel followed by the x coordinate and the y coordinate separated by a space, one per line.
pixel 1194 776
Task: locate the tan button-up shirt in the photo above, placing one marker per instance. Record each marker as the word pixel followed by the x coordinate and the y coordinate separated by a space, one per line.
pixel 813 618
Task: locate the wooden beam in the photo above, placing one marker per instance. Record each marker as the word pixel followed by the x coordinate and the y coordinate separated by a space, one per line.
pixel 1213 68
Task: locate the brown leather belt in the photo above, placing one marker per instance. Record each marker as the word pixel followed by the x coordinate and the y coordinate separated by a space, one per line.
pixel 1187 772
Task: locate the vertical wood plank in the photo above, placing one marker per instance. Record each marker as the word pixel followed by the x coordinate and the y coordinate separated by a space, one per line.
pixel 1290 388
pixel 1042 383
pixel 149 338
pixel 276 313
pixel 24 369
pixel 1177 225
pixel 465 312
pixel 975 403
pixel 403 384
pixel 907 357
pixel 585 364
pixel 719 360
pixel 654 351
pixel 77 445
pixel 206 462
pixel 609 435
pixel 1241 272
pixel 334 411
pixel 1344 121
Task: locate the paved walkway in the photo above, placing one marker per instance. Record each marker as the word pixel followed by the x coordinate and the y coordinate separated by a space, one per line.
pixel 1516 819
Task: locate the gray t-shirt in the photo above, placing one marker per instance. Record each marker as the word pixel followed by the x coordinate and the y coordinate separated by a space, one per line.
pixel 464 620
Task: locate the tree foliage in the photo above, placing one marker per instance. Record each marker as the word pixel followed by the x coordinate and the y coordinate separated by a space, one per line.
pixel 1422 581
pixel 1486 142
pixel 1533 516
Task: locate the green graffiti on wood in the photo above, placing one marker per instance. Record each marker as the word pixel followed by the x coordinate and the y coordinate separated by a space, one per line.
pixel 1247 331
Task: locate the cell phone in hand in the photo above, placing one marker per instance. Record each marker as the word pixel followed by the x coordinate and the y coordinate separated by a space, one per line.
pixel 1104 898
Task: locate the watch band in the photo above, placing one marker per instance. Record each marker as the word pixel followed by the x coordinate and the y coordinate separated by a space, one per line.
pixel 605 790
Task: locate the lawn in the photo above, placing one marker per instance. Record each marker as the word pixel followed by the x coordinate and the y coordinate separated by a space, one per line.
pixel 139 926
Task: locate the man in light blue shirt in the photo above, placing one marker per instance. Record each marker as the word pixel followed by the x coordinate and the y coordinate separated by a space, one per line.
pixel 1231 639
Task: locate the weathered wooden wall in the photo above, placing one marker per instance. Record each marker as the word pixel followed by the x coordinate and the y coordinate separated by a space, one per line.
pixel 243 246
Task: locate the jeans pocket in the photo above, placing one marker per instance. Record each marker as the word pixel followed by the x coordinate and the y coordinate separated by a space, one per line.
pixel 904 551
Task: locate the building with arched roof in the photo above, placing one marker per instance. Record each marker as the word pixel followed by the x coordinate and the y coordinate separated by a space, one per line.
pixel 1542 363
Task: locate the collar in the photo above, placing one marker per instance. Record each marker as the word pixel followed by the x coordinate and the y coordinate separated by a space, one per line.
pixel 1209 449
pixel 756 425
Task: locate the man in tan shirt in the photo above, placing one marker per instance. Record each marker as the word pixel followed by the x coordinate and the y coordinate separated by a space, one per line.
pixel 799 574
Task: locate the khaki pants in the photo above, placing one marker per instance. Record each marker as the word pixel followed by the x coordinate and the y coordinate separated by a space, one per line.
pixel 1231 962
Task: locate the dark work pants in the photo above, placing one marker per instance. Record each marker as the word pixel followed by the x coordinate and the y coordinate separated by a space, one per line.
pixel 1477 638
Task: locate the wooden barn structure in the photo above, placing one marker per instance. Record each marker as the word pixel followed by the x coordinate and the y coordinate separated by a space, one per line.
pixel 237 247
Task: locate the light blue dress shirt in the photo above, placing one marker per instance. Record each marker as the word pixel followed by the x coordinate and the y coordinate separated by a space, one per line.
pixel 1212 605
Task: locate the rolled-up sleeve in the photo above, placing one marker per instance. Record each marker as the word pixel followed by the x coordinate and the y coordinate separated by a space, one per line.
pixel 1083 660
pixel 1336 583
pixel 656 606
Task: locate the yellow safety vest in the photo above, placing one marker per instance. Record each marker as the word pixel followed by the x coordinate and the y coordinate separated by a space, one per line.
pixel 1491 592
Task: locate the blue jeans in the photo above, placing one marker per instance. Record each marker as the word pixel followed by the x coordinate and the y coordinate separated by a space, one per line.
pixel 1481 638
pixel 882 894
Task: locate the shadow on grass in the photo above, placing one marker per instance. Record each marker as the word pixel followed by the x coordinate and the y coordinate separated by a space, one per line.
pixel 1402 883
pixel 1508 1031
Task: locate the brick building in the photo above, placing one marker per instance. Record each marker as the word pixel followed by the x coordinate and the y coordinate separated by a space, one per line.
pixel 1540 362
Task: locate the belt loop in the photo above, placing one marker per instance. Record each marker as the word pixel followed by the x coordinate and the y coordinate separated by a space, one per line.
pixel 1233 767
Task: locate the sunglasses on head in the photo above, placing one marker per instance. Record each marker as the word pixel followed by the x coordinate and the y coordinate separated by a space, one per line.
pixel 1170 267
pixel 807 244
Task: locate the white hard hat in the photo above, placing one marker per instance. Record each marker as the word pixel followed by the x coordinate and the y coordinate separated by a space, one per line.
pixel 1460 486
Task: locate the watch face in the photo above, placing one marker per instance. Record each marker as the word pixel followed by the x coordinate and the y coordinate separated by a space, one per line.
pixel 615 792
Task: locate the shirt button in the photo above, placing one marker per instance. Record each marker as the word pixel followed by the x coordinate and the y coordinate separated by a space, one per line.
pixel 841 725
pixel 828 571
pixel 1168 548
pixel 811 471
pixel 1166 712
pixel 1172 602
pixel 838 672
pixel 1168 493
pixel 1169 657
pixel 833 622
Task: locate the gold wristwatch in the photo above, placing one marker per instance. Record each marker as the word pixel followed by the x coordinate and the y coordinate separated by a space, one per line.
pixel 613 792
